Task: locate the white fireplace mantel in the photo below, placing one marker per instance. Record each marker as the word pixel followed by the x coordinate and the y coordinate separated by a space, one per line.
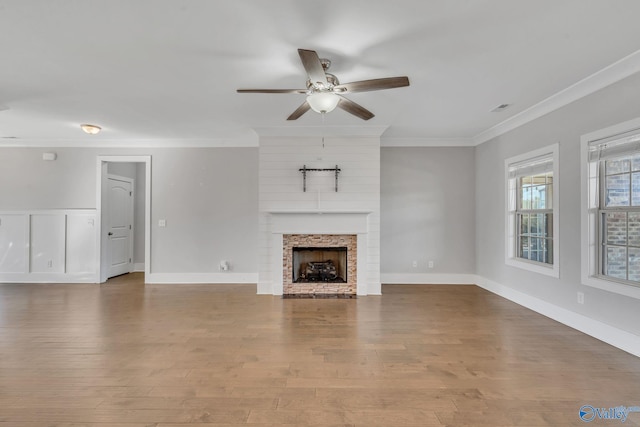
pixel 317 222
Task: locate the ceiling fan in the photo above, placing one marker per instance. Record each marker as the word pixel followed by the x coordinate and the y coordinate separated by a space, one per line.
pixel 324 91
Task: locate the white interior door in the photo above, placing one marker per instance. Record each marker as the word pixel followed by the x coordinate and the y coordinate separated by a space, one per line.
pixel 119 226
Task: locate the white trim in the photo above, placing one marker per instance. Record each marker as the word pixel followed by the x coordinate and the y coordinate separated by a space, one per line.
pixel 619 338
pixel 588 235
pixel 509 255
pixel 427 279
pixel 613 73
pixel 264 288
pixel 232 142
pixel 533 267
pixel 426 142
pixel 80 211
pixel 52 278
pixel 27 276
pixel 610 286
pixel 202 278
pixel 374 288
pixel 320 131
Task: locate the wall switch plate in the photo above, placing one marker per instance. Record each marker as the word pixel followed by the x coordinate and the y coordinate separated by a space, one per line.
pixel 162 223
pixel 580 297
pixel 415 264
pixel 430 264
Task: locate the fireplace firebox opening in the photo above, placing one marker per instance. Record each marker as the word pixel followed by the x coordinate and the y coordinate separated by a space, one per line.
pixel 319 264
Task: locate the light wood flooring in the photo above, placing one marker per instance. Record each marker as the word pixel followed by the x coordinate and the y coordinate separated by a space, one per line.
pixel 126 354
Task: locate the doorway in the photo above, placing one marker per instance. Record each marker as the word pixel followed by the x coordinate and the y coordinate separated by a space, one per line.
pixel 124 214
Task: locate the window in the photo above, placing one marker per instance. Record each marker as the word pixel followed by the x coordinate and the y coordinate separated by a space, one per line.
pixel 532 225
pixel 611 209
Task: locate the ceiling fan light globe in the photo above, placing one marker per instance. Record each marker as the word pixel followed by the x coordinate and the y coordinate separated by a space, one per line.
pixel 323 102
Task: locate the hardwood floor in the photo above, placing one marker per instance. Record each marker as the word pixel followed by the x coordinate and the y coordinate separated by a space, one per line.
pixel 126 354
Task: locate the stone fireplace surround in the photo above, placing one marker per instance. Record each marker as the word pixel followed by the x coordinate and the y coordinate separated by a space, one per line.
pixel 291 241
pixel 317 223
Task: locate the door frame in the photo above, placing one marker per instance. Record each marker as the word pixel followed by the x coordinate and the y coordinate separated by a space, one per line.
pixel 101 174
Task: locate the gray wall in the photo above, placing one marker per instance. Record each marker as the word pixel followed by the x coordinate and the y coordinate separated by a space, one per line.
pixel 612 105
pixel 427 209
pixel 208 196
pixel 28 182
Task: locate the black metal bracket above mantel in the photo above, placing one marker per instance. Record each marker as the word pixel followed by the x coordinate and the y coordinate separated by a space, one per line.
pixel 304 171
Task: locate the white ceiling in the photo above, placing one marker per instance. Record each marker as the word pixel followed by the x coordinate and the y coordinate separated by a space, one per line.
pixel 167 70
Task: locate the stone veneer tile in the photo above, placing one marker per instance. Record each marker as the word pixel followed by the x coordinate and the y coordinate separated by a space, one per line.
pixel 290 241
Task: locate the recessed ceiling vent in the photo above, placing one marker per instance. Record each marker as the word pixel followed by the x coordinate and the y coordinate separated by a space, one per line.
pixel 500 108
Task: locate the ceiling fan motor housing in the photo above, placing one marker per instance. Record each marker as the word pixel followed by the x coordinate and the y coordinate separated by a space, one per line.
pixel 331 82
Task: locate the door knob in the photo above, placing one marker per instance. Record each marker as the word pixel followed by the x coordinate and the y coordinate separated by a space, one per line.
pixel 109 234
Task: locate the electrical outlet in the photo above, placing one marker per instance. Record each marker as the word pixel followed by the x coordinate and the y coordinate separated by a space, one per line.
pixel 580 297
pixel 50 263
pixel 415 264
pixel 162 223
pixel 430 264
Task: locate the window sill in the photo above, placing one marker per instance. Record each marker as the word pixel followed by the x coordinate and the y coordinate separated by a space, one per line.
pixel 611 286
pixel 552 271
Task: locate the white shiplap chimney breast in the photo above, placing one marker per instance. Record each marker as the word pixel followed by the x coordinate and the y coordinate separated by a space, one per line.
pixel 284 206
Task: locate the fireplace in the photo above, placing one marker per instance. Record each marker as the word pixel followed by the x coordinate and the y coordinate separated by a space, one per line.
pixel 323 264
pixel 319 264
pixel 285 230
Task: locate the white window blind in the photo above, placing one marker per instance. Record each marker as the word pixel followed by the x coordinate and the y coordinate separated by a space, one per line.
pixel 536 166
pixel 615 146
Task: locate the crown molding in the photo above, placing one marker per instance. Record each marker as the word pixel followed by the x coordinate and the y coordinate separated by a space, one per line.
pixel 319 131
pixel 131 143
pixel 613 73
pixel 426 142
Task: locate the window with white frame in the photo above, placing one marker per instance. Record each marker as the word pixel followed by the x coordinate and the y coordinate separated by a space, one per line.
pixel 532 218
pixel 611 206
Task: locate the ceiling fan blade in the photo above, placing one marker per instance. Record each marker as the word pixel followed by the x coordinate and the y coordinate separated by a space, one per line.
pixel 313 66
pixel 299 111
pixel 375 84
pixel 355 109
pixel 272 91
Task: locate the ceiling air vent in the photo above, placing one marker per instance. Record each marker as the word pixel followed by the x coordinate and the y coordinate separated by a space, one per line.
pixel 500 108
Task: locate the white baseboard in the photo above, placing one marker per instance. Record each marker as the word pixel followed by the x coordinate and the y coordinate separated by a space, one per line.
pixel 195 278
pixel 616 337
pixel 48 278
pixel 427 279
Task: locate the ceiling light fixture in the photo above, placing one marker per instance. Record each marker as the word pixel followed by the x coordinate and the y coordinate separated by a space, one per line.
pixel 90 129
pixel 323 102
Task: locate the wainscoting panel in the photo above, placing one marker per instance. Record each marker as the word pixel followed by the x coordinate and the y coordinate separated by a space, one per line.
pixel 14 251
pixel 46 243
pixel 48 246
